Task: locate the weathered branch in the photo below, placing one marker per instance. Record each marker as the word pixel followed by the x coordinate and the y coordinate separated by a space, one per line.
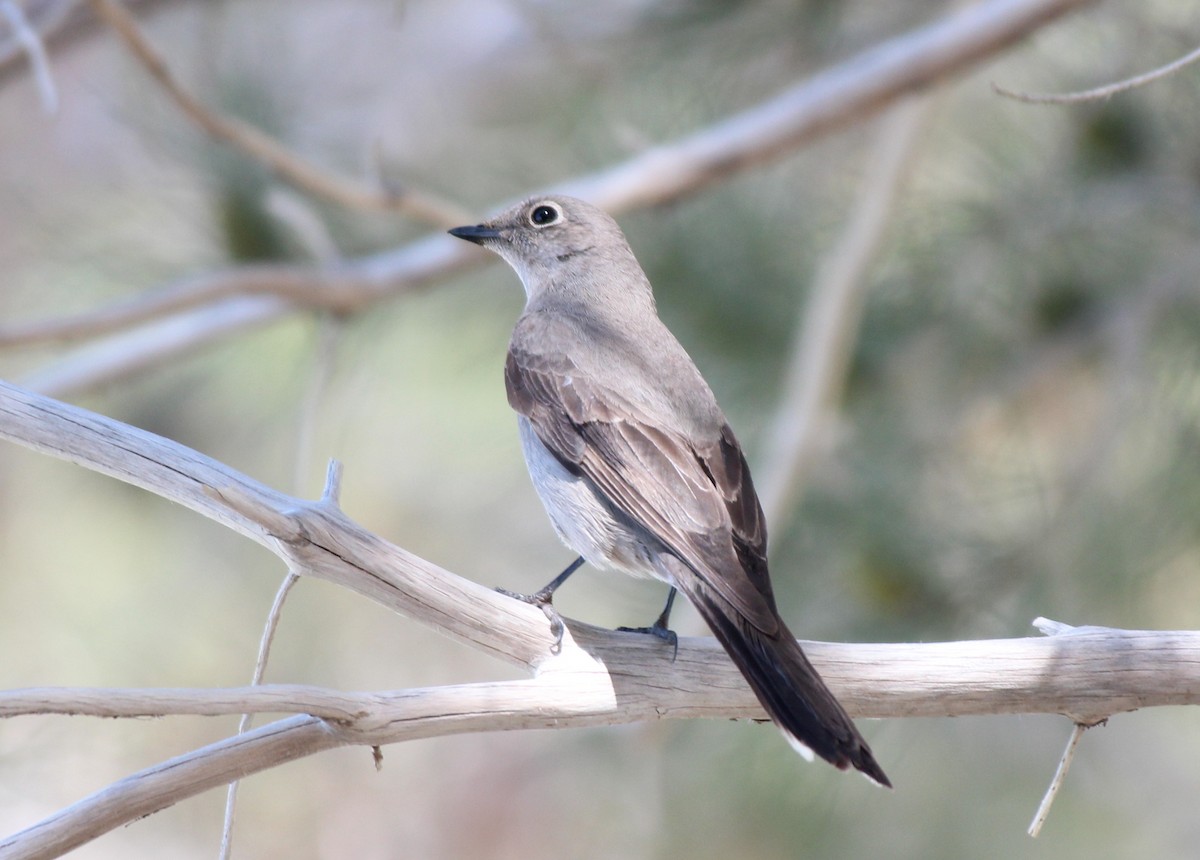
pixel 612 678
pixel 598 678
pixel 846 93
pixel 1085 673
pixel 314 538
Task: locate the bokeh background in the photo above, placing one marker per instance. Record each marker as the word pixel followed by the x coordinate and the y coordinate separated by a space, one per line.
pixel 1020 432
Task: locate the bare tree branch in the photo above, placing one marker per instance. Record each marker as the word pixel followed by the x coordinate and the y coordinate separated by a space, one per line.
pixel 56 23
pixel 1104 92
pixel 314 538
pixel 264 148
pixel 161 786
pixel 334 286
pixel 1085 673
pixel 31 43
pixel 43 18
pixel 147 347
pixel 825 339
pixel 838 97
pixel 614 678
pixel 597 678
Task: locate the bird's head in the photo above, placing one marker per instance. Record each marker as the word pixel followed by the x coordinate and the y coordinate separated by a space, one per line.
pixel 549 240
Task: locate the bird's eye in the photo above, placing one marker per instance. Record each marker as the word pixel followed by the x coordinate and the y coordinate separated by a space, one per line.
pixel 544 215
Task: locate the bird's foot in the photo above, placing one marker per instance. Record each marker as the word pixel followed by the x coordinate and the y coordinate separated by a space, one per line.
pixel 662 632
pixel 544 600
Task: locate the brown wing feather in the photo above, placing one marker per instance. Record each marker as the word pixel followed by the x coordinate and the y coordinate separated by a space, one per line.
pixel 697 499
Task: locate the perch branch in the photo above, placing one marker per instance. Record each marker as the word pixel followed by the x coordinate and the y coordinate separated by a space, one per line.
pixel 1087 674
pixel 609 678
pixel 598 677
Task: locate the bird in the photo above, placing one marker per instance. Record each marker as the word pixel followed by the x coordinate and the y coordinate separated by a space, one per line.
pixel 636 464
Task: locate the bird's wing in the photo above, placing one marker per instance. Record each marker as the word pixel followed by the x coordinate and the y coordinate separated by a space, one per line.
pixel 695 497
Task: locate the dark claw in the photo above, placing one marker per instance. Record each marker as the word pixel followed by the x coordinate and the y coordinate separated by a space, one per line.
pixel 660 631
pixel 544 600
pixel 659 628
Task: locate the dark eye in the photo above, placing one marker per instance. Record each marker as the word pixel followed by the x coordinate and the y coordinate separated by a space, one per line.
pixel 543 215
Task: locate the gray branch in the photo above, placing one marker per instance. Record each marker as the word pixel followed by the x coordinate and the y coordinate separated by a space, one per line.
pixel 598 677
pixel 257 295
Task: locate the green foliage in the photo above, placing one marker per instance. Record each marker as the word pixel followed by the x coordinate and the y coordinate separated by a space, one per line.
pixel 247 229
pixel 1115 138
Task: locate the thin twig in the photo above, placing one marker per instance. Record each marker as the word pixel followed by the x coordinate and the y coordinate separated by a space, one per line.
pixel 1055 629
pixel 825 339
pixel 264 148
pixel 328 337
pixel 1060 774
pixel 341 287
pixel 260 668
pixel 1104 92
pixel 332 494
pixel 328 331
pixel 31 44
pixel 300 286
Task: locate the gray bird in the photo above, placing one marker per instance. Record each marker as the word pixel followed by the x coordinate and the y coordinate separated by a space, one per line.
pixel 635 462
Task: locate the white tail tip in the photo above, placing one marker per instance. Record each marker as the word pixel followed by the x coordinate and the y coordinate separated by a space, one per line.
pixel 799 747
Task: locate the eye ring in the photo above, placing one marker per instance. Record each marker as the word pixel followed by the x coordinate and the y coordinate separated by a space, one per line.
pixel 544 215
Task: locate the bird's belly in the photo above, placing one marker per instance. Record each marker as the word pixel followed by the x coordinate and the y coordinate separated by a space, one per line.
pixel 584 519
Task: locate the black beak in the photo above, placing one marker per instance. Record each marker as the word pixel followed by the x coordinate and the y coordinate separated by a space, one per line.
pixel 477 234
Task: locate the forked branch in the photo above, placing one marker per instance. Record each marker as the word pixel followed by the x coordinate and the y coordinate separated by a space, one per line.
pixel 598 677
pixel 845 93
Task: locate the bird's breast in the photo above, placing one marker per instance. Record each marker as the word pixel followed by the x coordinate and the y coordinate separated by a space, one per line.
pixel 582 517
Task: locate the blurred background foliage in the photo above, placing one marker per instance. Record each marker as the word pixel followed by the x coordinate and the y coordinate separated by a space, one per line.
pixel 1020 433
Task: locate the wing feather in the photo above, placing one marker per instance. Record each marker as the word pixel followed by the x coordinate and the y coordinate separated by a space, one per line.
pixel 695 496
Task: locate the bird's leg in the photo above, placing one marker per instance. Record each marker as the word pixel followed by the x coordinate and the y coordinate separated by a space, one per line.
pixel 544 598
pixel 659 628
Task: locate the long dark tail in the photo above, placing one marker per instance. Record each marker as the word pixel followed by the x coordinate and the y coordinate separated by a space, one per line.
pixel 788 686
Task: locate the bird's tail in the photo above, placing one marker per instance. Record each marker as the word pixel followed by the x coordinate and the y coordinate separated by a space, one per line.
pixel 788 687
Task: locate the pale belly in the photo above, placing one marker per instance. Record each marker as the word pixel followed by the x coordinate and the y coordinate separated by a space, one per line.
pixel 584 520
